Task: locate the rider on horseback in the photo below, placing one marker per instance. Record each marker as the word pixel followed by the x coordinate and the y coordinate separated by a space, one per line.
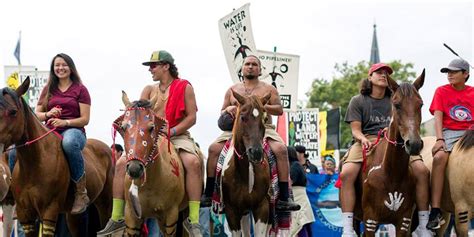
pixel 369 112
pixel 177 102
pixel 453 110
pixel 64 104
pixel 250 85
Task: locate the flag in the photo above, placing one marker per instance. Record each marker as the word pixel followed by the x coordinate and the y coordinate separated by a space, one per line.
pixel 17 50
pixel 329 129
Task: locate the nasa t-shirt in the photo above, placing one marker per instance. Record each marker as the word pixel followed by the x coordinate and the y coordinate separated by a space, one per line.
pixel 457 106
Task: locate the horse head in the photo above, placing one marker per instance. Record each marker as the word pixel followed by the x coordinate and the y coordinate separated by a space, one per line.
pixel 249 126
pixel 12 116
pixel 140 130
pixel 406 113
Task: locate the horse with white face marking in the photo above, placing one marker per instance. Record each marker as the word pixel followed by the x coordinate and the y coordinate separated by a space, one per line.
pixel 388 195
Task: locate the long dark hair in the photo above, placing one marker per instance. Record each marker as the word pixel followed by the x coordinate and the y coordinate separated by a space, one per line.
pixel 53 80
pixel 366 88
pixel 173 70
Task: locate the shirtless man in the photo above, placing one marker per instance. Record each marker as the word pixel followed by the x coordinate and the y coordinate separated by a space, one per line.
pixel 250 85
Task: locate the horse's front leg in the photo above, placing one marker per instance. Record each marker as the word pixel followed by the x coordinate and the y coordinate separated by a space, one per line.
pixel 403 225
pixel 169 223
pixel 233 219
pixel 27 219
pixel 370 223
pixel 462 217
pixel 134 225
pixel 261 219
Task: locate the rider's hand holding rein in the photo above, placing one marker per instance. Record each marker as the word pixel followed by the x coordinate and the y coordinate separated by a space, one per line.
pixel 59 122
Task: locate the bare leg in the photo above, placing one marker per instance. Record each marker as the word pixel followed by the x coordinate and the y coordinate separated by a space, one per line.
pixel 119 178
pixel 214 151
pixel 440 159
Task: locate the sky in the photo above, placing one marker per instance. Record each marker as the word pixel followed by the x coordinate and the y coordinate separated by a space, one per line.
pixel 108 40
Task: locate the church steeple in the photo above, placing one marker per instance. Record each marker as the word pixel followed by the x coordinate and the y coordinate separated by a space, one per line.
pixel 374 52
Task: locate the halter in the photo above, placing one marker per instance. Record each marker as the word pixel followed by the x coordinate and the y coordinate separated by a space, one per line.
pixel 379 135
pixel 154 151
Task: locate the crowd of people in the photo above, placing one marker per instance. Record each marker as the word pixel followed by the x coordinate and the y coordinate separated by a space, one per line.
pixel 65 104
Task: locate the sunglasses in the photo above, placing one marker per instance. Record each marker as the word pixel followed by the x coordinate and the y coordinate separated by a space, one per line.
pixel 153 65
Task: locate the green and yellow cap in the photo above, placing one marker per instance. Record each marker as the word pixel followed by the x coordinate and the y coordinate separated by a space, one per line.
pixel 160 56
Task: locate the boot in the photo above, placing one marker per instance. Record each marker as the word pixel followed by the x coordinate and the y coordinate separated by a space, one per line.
pixel 81 200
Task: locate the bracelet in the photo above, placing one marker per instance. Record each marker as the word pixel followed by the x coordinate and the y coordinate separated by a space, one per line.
pixel 68 123
pixel 440 139
pixel 173 131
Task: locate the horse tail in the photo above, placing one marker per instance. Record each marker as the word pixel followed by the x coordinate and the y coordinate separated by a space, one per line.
pixel 467 140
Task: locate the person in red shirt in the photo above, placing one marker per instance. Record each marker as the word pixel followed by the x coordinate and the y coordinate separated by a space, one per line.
pixel 452 107
pixel 65 104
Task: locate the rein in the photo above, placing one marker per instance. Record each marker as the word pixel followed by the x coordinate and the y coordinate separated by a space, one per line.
pixel 36 139
pixel 379 135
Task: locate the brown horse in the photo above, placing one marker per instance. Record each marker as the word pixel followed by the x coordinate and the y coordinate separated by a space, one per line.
pixel 7 203
pixel 155 172
pixel 41 179
pixel 388 195
pixel 246 176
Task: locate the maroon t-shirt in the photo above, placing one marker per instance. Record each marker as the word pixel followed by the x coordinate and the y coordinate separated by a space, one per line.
pixel 68 101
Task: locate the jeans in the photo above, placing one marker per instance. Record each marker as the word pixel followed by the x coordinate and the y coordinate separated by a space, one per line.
pixel 204 220
pixel 73 142
pixel 153 228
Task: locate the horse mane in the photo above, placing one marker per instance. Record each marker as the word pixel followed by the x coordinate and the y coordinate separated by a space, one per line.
pixel 467 140
pixel 3 102
pixel 141 104
pixel 406 89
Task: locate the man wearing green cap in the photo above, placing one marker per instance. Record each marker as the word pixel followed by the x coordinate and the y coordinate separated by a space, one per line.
pixel 177 103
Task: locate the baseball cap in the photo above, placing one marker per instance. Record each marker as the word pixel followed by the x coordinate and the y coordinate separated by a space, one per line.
pixel 301 149
pixel 456 65
pixel 378 66
pixel 159 56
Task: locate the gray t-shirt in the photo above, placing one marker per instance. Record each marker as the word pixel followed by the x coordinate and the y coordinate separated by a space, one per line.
pixel 374 114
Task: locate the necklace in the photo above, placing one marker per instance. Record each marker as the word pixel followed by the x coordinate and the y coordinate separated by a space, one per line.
pixel 249 91
pixel 166 88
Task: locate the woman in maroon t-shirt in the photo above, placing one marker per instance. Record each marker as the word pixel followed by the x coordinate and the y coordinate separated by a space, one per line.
pixel 64 104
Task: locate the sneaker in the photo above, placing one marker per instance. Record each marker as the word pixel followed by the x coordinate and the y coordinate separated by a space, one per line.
pixel 194 230
pixel 435 221
pixel 349 234
pixel 287 205
pixel 112 227
pixel 421 231
pixel 206 201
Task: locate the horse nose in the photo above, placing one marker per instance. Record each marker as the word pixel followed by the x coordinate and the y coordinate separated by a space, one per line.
pixel 135 169
pixel 255 154
pixel 413 147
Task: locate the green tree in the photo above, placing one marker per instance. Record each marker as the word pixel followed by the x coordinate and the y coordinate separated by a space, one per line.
pixel 327 95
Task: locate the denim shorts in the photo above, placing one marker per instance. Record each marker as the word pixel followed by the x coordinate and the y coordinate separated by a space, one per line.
pixel 451 137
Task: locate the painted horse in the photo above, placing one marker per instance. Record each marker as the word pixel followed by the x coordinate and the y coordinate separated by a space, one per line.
pixel 458 194
pixel 155 177
pixel 388 195
pixel 41 180
pixel 246 175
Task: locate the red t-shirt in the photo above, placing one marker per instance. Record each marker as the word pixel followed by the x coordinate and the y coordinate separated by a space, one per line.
pixel 457 106
pixel 68 101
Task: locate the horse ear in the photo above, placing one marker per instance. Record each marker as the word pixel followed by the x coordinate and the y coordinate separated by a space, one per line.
pixel 392 84
pixel 238 97
pixel 420 80
pixel 266 98
pixel 23 87
pixel 125 99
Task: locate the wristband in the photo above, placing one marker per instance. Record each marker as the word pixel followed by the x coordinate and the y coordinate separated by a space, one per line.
pixel 440 139
pixel 173 131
